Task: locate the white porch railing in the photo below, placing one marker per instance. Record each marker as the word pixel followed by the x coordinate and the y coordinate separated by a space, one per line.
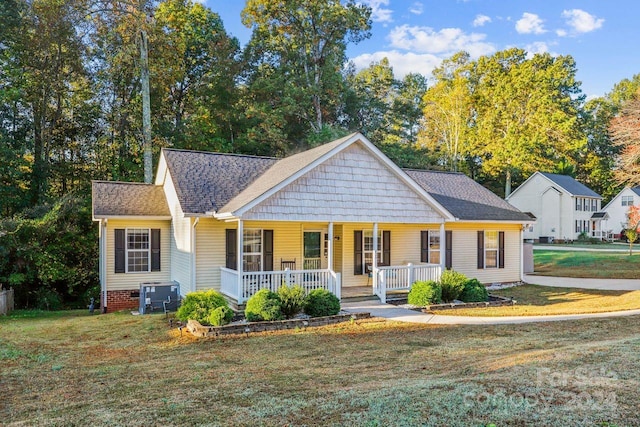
pixel 602 235
pixel 402 277
pixel 253 281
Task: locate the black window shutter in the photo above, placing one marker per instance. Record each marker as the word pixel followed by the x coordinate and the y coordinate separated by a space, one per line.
pixel 357 252
pixel 232 249
pixel 155 249
pixel 448 250
pixel 424 246
pixel 120 250
pixel 267 236
pixel 480 249
pixel 386 247
pixel 501 249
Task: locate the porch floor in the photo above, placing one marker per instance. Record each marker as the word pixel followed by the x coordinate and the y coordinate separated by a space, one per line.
pixel 356 291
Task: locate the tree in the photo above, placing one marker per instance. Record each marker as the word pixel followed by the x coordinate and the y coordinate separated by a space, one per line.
pixel 632 229
pixel 525 112
pixel 625 133
pixel 301 47
pixel 448 111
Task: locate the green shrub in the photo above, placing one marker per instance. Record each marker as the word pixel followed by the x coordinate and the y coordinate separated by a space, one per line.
pixel 321 302
pixel 424 293
pixel 220 316
pixel 452 284
pixel 263 305
pixel 200 306
pixel 474 291
pixel 292 300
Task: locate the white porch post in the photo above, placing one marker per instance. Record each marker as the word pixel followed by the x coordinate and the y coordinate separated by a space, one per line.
pixel 239 264
pixel 330 247
pixel 443 249
pixel 374 261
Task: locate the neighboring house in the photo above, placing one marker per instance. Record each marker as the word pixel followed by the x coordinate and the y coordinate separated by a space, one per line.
pixel 564 208
pixel 338 216
pixel 617 209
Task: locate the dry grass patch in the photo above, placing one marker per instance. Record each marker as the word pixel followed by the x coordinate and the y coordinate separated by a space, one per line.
pixel 535 300
pixel 117 369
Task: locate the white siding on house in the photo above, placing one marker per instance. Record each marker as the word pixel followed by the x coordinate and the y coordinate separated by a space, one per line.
pixel 131 281
pixel 180 238
pixel 352 186
pixel 618 213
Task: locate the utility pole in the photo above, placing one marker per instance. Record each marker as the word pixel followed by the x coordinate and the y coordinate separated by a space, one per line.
pixel 146 108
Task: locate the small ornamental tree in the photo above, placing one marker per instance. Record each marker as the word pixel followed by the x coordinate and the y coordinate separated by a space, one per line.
pixel 632 228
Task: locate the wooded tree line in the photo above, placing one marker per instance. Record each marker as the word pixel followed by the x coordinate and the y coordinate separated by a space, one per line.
pixel 71 111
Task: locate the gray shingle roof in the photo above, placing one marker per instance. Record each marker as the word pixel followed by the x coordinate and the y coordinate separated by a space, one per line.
pixel 128 199
pixel 636 190
pixel 571 185
pixel 465 198
pixel 207 181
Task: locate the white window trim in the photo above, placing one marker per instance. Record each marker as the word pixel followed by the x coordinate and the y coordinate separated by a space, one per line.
pixel 365 252
pixel 261 253
pixel 496 250
pixel 127 250
pixel 434 233
pixel 627 201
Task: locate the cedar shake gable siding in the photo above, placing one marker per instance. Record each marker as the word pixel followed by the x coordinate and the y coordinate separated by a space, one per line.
pixel 128 199
pixel 465 198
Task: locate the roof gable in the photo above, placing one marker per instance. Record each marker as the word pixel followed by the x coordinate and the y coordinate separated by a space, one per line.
pixel 291 168
pixel 465 198
pixel 122 199
pixel 353 185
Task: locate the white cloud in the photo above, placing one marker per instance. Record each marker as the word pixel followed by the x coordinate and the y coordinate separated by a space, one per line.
pixel 445 41
pixel 378 12
pixel 581 21
pixel 402 63
pixel 561 33
pixel 530 23
pixel 480 20
pixel 416 8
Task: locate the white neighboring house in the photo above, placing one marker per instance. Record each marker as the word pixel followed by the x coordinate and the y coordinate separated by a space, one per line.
pixel 564 208
pixel 617 209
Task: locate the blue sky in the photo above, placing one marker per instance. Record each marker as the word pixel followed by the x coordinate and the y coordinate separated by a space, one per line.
pixel 416 35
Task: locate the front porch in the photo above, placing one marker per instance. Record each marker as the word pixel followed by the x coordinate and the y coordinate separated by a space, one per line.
pixel 385 280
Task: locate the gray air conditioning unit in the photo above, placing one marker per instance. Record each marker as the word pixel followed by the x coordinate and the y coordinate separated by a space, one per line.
pixel 159 297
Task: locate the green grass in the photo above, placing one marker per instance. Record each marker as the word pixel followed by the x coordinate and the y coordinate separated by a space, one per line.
pixel 119 369
pixel 603 265
pixel 595 246
pixel 534 300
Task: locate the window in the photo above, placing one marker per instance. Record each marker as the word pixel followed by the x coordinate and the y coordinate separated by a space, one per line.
pixel 430 246
pixel 578 204
pixel 627 200
pixel 594 205
pixel 252 250
pixel 578 229
pixel 363 250
pixel 312 250
pixel 138 250
pixel 491 249
pixel 367 244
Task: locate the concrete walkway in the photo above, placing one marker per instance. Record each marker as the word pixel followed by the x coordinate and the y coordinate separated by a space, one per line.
pixel 392 312
pixel 572 282
pixel 623 248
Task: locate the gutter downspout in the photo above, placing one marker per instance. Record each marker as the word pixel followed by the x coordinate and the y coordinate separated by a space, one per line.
pixel 102 266
pixel 193 254
pixel 522 254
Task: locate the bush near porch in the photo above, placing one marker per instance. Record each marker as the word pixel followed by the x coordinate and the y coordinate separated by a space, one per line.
pixel 451 286
pixel 265 305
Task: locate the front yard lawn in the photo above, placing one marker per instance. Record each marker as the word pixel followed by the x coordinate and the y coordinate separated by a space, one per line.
pixel 604 265
pixel 534 300
pixel 117 369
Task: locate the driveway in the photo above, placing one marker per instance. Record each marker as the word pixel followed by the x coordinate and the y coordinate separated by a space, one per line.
pixel 392 312
pixel 572 282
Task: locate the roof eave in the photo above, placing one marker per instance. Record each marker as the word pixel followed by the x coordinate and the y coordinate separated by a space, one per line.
pixel 133 217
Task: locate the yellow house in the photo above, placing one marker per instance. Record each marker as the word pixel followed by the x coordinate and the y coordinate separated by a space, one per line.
pixel 341 216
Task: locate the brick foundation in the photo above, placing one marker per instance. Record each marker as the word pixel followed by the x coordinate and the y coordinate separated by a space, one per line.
pixel 122 300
